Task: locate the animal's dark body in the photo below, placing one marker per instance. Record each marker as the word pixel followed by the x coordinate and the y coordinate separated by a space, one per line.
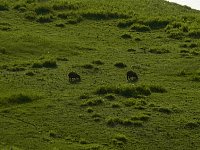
pixel 73 76
pixel 132 76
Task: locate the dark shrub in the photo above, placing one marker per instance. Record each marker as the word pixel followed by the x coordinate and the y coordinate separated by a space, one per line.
pixel 176 34
pixel 130 102
pixel 193 45
pixel 88 66
pixel 98 62
pixel 192 125
pixel 42 10
pixel 2 50
pixel 159 50
pixel 163 110
pixel 45 19
pixel 140 28
pixel 194 34
pixel 156 23
pixel 19 99
pixel 61 25
pixel 196 78
pixel 89 110
pixel 125 24
pixel 138 39
pixel 141 117
pixel 49 64
pixel 126 36
pixel 114 121
pixel 30 15
pixel 37 65
pixel 120 65
pixel 64 5
pixel 30 73
pixel 16 69
pixel 110 97
pixel 4 7
pixel 105 90
pixel 116 105
pixel 62 59
pixel 120 137
pixel 93 102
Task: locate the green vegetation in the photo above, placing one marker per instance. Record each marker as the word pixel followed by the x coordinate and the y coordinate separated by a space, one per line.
pixel 42 41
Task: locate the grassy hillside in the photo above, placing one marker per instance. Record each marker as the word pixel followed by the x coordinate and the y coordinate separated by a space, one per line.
pixel 41 41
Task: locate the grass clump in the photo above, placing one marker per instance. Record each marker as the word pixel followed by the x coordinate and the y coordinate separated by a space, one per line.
pixel 116 105
pixel 98 62
pixel 125 24
pixel 64 5
pixel 164 110
pixel 120 65
pixel 140 28
pixel 2 50
pixel 156 23
pixel 126 90
pixel 93 102
pixel 90 110
pixel 44 18
pixel 43 9
pixel 126 36
pixel 17 99
pixel 141 117
pixel 88 66
pixel 192 125
pixel 45 64
pixel 130 102
pixel 110 97
pixel 194 34
pixel 4 7
pixel 157 89
pixel 159 50
pixel 119 139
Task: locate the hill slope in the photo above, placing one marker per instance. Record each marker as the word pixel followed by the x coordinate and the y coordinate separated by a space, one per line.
pixel 41 41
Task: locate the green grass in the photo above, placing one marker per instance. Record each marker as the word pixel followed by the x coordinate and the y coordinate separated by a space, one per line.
pixel 42 41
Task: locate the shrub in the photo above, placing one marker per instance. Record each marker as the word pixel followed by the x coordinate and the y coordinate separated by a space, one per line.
pixel 140 28
pixel 116 105
pixel 196 78
pixel 93 102
pixel 120 65
pixel 62 59
pixel 88 66
pixel 45 18
pixel 194 34
pixel 157 89
pixel 164 110
pixel 43 9
pixel 110 97
pixel 64 5
pixel 37 65
pixel 19 99
pixel 49 64
pixel 105 90
pixel 114 121
pixel 2 50
pixel 126 36
pixel 156 23
pixel 89 110
pixel 30 73
pixel 193 45
pixel 176 34
pixel 130 102
pixel 138 39
pixel 61 25
pixel 98 62
pixel 141 117
pixel 30 15
pixel 63 15
pixel 159 50
pixel 121 138
pixel 192 125
pixel 4 7
pixel 125 24
pixel 16 69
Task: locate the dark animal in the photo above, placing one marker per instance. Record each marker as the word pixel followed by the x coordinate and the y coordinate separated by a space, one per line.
pixel 73 76
pixel 132 76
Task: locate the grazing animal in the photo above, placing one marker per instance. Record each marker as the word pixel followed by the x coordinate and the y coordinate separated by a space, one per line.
pixel 73 76
pixel 132 76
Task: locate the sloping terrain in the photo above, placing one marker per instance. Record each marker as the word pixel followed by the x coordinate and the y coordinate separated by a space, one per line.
pixel 41 41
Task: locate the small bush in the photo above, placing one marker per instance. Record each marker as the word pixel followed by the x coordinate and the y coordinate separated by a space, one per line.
pixel 138 39
pixel 156 23
pixel 164 110
pixel 140 28
pixel 19 99
pixel 114 121
pixel 196 78
pixel 192 125
pixel 45 18
pixel 4 7
pixel 16 69
pixel 121 138
pixel 193 45
pixel 141 117
pixel 194 34
pixel 125 24
pixel 88 66
pixel 2 50
pixel 158 50
pixel 30 15
pixel 130 102
pixel 120 65
pixel 42 10
pixel 37 65
pixel 157 89
pixel 64 5
pixel 49 64
pixel 105 90
pixel 98 62
pixel 63 15
pixel 93 102
pixel 176 34
pixel 30 73
pixel 61 25
pixel 126 36
pixel 62 59
pixel 116 105
pixel 110 97
pixel 89 110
